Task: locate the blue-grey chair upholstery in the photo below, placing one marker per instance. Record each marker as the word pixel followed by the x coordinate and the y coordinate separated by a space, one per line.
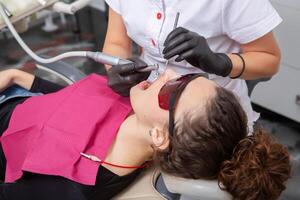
pixel 63 70
pixel 252 83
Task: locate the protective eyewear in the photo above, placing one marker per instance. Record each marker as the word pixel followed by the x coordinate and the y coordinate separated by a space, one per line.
pixel 170 93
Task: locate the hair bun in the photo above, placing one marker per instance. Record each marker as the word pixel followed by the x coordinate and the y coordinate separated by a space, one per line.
pixel 258 169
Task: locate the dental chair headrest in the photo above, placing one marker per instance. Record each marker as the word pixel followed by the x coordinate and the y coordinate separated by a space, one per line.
pixel 195 189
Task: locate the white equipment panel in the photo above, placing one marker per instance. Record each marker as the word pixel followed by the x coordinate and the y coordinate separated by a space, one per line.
pixel 282 93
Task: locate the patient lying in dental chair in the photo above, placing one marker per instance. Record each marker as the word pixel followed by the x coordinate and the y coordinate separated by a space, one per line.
pixel 86 142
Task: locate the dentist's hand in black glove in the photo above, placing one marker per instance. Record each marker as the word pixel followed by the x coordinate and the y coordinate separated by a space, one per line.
pixel 123 77
pixel 194 49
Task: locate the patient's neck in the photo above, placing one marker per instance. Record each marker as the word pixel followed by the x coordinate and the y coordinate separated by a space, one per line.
pixel 132 146
pixel 137 132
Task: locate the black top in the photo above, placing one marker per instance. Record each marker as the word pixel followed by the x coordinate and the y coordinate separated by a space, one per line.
pixel 37 186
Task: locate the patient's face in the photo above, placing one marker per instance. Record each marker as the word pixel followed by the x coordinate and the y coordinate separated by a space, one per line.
pixel 144 99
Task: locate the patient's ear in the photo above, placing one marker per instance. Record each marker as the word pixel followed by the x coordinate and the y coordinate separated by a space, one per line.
pixel 160 138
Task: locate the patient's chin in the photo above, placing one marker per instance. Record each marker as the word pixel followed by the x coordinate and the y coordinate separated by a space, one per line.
pixel 134 92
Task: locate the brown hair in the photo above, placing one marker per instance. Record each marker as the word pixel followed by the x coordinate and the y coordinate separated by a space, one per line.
pixel 203 144
pixel 258 169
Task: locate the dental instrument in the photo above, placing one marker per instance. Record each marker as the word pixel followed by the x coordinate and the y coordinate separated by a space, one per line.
pixel 174 27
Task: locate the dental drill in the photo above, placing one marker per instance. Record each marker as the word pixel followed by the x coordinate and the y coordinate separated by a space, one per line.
pixel 96 56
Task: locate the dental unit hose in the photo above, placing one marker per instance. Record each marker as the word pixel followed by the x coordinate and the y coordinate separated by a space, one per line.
pixel 96 56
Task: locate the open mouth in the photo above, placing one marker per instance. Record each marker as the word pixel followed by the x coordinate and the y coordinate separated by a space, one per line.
pixel 144 85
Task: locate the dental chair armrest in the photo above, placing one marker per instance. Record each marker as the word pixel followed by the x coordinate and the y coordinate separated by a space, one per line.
pixel 63 70
pixel 251 84
pixel 142 187
pixel 195 189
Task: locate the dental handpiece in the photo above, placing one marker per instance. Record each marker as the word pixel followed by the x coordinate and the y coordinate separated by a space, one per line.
pixel 113 60
pixel 106 59
pixel 149 68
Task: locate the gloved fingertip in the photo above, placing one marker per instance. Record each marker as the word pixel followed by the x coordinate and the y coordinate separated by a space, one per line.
pixel 178 59
pixel 167 56
pixel 166 42
pixel 165 51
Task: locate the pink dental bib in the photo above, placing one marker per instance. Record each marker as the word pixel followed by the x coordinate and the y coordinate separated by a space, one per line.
pixel 46 134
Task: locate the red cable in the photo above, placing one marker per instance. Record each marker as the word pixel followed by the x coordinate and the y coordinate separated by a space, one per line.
pixel 96 159
pixel 122 166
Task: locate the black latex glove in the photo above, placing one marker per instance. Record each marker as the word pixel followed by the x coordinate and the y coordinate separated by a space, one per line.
pixel 123 77
pixel 194 49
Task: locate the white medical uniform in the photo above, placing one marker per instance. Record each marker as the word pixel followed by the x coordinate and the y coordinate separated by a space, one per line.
pixel 224 23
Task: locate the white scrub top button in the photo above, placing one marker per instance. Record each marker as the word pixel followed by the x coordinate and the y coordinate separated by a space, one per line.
pixel 158 15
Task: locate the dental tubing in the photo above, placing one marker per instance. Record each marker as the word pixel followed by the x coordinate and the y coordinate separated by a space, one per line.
pixel 96 56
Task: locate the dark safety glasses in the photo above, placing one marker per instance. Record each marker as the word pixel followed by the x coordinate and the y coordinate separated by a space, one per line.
pixel 170 93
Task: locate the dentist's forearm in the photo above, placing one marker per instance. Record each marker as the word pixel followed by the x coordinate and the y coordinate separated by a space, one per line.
pixel 262 58
pixel 22 79
pixel 257 65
